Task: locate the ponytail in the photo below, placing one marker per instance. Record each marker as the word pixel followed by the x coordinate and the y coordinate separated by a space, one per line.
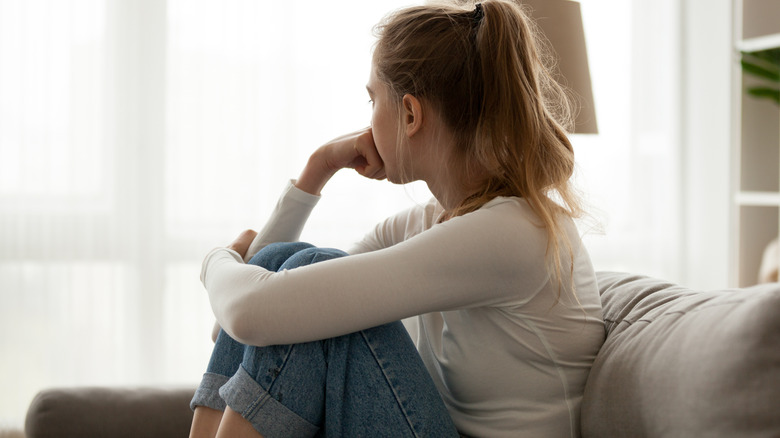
pixel 523 120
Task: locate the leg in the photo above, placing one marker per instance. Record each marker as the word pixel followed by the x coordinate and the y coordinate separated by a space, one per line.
pixel 367 383
pixel 207 404
pixel 205 422
pixel 236 426
pixel 228 355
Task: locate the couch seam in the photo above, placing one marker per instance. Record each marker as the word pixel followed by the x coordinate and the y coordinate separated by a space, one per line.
pixel 677 312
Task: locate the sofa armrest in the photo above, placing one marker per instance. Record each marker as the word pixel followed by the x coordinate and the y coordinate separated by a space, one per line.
pixel 110 412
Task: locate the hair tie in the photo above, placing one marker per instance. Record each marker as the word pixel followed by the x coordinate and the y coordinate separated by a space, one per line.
pixel 478 12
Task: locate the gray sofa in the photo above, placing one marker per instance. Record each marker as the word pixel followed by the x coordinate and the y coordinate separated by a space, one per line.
pixel 676 363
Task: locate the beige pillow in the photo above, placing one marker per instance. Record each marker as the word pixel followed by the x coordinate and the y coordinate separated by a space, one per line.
pixel 678 362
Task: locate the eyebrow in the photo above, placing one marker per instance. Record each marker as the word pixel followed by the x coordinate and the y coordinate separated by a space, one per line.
pixel 370 91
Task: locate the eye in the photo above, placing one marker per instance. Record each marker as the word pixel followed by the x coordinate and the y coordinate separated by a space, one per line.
pixel 371 101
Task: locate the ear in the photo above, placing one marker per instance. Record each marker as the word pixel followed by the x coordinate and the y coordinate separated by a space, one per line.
pixel 412 114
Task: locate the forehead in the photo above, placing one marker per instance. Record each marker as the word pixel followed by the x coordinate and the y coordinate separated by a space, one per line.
pixel 374 85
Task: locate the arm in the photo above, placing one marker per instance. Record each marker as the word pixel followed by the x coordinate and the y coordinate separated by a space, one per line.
pixel 286 221
pixel 355 150
pixel 465 262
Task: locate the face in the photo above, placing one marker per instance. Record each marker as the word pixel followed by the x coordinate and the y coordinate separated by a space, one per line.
pixel 384 125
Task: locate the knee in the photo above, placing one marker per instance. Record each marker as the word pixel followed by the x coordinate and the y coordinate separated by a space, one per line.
pixel 310 256
pixel 274 255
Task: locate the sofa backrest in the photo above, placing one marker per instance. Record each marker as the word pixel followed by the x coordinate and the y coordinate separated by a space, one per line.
pixel 678 362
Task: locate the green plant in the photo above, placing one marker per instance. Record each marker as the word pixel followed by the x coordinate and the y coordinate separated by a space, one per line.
pixel 764 64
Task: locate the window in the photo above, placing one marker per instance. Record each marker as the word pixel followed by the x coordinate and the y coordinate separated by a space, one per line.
pixel 137 135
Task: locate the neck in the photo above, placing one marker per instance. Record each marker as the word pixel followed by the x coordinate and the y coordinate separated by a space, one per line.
pixel 448 175
pixel 448 197
pixel 452 184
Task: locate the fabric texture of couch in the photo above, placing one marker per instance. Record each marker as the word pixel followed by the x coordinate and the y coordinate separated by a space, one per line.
pixel 685 363
pixel 676 363
pixel 110 413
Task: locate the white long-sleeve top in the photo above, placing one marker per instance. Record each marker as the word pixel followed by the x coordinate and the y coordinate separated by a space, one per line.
pixel 508 354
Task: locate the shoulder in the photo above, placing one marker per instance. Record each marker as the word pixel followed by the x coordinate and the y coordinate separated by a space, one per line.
pixel 414 220
pixel 513 215
pixel 507 219
pixel 400 227
pixel 508 229
pixel 419 218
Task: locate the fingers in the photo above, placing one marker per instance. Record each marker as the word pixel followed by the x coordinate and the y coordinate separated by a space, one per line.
pixel 355 150
pixel 242 242
pixel 372 167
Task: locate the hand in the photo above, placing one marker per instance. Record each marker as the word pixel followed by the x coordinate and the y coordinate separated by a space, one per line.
pixel 355 150
pixel 242 242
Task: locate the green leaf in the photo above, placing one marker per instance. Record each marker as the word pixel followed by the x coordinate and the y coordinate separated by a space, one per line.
pixel 770 56
pixel 765 92
pixel 764 64
pixel 761 71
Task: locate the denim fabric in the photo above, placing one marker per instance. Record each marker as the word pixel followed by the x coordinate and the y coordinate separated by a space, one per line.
pixel 368 383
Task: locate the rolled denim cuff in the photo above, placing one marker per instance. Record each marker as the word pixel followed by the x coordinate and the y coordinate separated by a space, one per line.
pixel 207 393
pixel 268 416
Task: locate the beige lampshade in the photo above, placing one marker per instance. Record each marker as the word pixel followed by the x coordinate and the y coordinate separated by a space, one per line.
pixel 561 23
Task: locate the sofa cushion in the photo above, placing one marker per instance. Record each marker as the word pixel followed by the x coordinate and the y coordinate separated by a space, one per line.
pixel 678 362
pixel 110 412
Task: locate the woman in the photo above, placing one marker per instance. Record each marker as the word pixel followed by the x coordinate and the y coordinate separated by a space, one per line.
pixel 503 293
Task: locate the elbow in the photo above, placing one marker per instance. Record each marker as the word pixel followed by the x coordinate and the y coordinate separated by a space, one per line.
pixel 243 327
pixel 238 331
pixel 215 331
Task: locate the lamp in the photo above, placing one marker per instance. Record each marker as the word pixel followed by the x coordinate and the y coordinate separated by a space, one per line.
pixel 561 23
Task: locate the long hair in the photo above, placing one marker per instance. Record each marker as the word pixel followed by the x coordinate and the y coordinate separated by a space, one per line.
pixel 485 71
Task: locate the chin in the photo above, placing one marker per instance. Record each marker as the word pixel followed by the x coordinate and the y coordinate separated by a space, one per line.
pixel 398 179
pixel 396 176
pixel 395 180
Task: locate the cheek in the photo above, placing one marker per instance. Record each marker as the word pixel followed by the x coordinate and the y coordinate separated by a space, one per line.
pixel 382 131
pixel 376 124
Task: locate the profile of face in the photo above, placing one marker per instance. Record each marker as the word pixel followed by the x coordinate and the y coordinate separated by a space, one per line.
pixel 385 126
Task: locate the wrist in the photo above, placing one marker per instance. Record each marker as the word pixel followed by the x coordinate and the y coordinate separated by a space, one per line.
pixel 315 174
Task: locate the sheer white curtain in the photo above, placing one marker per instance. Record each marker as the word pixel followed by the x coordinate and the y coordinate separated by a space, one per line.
pixel 135 135
pixel 630 172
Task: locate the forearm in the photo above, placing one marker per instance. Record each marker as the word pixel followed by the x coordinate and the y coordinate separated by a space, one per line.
pixel 355 150
pixel 287 220
pixel 315 174
pixel 295 205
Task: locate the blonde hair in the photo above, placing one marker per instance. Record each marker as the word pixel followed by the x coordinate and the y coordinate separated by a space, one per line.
pixel 483 69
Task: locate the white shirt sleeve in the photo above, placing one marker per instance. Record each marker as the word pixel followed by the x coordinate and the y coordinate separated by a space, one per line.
pixel 399 227
pixel 468 261
pixel 286 221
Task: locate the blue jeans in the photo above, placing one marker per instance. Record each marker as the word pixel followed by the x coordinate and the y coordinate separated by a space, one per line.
pixel 368 383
